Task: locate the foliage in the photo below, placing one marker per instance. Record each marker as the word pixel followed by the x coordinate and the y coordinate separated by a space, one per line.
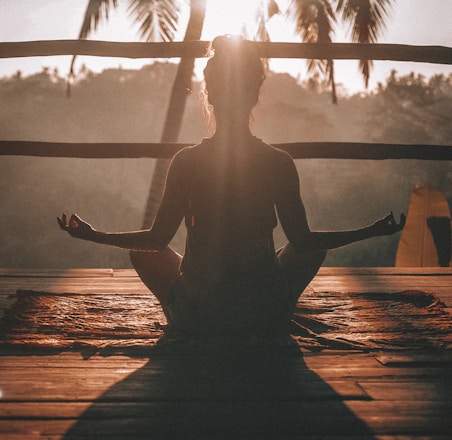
pixel 419 108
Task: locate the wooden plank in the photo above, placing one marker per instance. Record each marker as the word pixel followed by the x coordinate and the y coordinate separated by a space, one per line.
pixel 55 273
pixel 387 271
pixel 433 390
pixel 223 420
pixel 217 420
pixel 396 417
pixel 152 385
pixel 35 429
pixel 442 359
pixel 376 374
pixel 403 417
pixel 377 284
pixel 74 285
pixel 298 150
pixel 410 407
pixel 72 359
pixel 438 280
pixel 340 360
pixel 343 380
pixel 324 283
pixel 60 410
pixel 328 368
pixel 343 51
pixel 124 273
pixel 324 271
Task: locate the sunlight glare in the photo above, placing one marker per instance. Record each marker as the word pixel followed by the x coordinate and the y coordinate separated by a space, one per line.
pixel 231 17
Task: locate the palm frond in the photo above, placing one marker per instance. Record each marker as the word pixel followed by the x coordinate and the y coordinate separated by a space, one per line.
pixel 272 8
pixel 314 23
pixel 265 10
pixel 367 16
pixel 158 19
pixel 314 20
pixel 95 12
pixel 368 19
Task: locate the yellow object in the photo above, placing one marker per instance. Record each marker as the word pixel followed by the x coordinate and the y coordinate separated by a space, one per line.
pixel 416 246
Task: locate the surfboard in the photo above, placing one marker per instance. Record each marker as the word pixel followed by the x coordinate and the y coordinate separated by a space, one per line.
pixel 417 247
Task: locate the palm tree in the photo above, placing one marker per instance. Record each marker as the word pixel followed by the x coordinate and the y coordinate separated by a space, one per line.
pixel 158 20
pixel 314 21
pixel 176 108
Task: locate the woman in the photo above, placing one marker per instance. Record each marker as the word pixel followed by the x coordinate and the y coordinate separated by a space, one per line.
pixel 230 189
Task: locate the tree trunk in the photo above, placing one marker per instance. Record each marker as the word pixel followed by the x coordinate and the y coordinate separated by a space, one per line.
pixel 181 89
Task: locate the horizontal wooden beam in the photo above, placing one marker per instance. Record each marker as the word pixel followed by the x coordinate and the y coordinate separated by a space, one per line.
pixel 196 49
pixel 298 150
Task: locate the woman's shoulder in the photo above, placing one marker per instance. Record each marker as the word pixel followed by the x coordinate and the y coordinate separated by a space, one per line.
pixel 258 148
pixel 277 155
pixel 188 152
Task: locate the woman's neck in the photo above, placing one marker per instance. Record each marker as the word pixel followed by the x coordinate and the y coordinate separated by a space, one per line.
pixel 231 128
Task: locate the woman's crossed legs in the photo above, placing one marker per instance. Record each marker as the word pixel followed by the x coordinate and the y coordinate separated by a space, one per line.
pixel 158 270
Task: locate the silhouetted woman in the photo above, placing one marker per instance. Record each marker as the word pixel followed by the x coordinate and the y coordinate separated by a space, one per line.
pixel 230 190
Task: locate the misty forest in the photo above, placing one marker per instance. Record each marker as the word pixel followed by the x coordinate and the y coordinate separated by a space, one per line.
pixel 121 105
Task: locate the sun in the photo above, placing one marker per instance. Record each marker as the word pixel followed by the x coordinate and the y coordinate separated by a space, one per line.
pixel 231 17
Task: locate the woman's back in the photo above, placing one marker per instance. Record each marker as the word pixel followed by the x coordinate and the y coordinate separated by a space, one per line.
pixel 231 193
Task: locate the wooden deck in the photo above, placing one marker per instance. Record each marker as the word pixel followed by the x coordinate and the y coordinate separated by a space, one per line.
pixel 76 394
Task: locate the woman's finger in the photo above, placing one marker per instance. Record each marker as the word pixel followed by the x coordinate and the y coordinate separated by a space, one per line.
pixel 74 222
pixel 391 218
pixel 61 224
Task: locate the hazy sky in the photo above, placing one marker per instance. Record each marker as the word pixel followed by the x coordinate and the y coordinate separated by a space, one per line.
pixel 421 22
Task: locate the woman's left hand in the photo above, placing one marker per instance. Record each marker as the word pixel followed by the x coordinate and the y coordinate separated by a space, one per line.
pixel 388 225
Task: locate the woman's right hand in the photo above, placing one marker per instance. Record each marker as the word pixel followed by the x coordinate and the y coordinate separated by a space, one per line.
pixel 75 227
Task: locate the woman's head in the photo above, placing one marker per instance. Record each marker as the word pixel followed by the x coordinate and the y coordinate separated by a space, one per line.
pixel 234 75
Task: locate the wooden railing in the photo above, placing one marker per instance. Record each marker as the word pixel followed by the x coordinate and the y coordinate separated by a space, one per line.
pixel 330 150
pixel 298 150
pixel 197 49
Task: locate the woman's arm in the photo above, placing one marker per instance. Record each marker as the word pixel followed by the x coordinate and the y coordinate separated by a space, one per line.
pixel 293 219
pixel 332 240
pixel 167 221
pixel 144 240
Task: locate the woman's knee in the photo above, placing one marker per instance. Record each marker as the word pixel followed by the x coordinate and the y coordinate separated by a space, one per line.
pixel 300 268
pixel 166 254
pixel 134 256
pixel 165 263
pixel 291 257
pixel 157 270
pixel 318 256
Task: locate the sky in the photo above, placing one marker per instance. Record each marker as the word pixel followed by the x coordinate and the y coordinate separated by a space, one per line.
pixel 418 22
